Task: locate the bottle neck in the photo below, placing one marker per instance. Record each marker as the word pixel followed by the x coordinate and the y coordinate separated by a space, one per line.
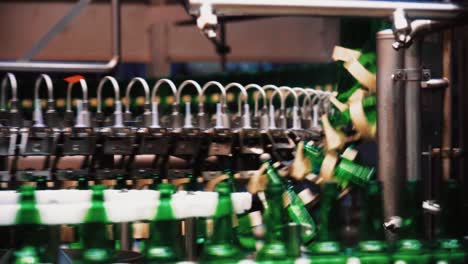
pixel 82 183
pixel 164 228
pixel 223 232
pixel 97 211
pixel 231 180
pixel 27 213
pixel 272 173
pixel 315 156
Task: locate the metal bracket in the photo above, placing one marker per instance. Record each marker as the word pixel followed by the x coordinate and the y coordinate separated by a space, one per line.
pixel 412 75
pixel 447 153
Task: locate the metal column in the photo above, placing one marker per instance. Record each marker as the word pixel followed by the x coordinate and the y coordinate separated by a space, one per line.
pixel 390 122
pixel 413 110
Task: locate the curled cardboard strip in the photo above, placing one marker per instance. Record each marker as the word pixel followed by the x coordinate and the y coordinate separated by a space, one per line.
pixel 334 139
pixel 339 105
pixel 351 63
pixel 258 182
pixel 358 115
pixel 301 164
pixel 328 167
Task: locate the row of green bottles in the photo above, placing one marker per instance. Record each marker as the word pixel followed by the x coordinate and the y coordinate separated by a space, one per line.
pixel 345 171
pixel 37 243
pixel 372 248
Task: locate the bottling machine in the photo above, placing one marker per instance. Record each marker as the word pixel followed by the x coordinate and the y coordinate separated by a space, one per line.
pixel 179 174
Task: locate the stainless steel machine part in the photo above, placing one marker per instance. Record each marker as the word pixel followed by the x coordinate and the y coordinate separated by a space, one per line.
pixel 390 122
pixel 360 8
pixel 413 112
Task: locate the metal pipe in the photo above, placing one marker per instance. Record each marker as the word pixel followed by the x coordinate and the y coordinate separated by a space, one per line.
pixel 115 86
pixel 190 239
pixel 146 89
pixel 50 66
pixel 125 236
pixel 50 89
pixel 84 90
pixel 360 8
pixel 11 79
pixel 390 122
pixel 413 112
pixel 447 104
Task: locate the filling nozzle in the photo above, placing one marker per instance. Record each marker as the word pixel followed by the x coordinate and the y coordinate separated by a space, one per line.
pixel 282 119
pixel 154 115
pixel 219 116
pixel 246 117
pixel 272 122
pixel 315 117
pixel 201 116
pixel 225 115
pixel 80 115
pixel 118 121
pixel 37 115
pixel 296 119
pixel 188 116
pixel 264 118
pixel 175 116
pixel 85 114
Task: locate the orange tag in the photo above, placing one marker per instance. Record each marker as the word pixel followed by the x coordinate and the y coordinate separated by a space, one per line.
pixel 74 78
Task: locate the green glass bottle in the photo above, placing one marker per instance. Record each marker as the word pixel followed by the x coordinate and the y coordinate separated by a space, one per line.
pixel 121 182
pixel 163 244
pixel 222 246
pixel 349 171
pixel 34 242
pixel 231 180
pixel 156 181
pixel 449 248
pixel 83 183
pixel 296 210
pixel 327 248
pixel 27 244
pixel 274 248
pixel 372 248
pixel 41 183
pixel 96 242
pixel 410 247
pixel 316 156
pixel 345 171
